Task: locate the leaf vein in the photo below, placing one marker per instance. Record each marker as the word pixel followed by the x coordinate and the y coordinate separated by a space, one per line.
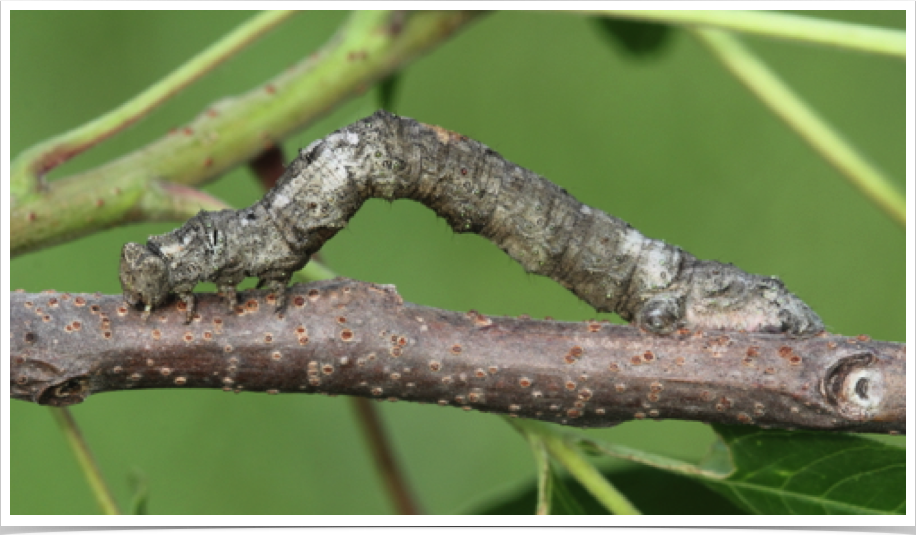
pixel 804 498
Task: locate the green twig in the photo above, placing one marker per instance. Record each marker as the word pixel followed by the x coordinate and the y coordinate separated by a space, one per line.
pixel 166 201
pixel 781 26
pixel 585 472
pixel 367 48
pixel 789 107
pixel 86 461
pixel 38 160
pixel 568 454
pixel 545 479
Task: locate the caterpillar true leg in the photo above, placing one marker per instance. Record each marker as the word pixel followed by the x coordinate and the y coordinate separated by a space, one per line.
pixel 230 295
pixel 190 303
pixel 278 288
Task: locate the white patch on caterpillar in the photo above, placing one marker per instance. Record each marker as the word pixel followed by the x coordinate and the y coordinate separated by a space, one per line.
pixel 632 242
pixel 171 249
pixel 279 201
pixel 338 138
pixel 658 266
pixel 340 150
pixel 625 255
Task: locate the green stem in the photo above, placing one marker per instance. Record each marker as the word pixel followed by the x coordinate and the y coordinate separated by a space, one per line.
pixel 789 107
pixel 34 162
pixel 578 466
pixel 167 201
pixel 365 49
pixel 570 457
pixel 86 461
pixel 781 26
pixel 545 481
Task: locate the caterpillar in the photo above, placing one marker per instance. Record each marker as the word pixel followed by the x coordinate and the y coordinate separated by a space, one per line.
pixel 600 258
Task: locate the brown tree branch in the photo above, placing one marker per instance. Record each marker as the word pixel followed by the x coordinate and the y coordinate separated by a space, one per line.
pixel 359 339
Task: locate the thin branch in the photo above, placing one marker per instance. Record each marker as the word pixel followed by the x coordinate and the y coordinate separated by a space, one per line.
pixel 572 459
pixel 383 454
pixel 545 480
pixel 32 164
pixel 167 201
pixel 86 460
pixel 352 338
pixel 269 166
pixel 800 117
pixel 780 26
pixel 368 47
pixel 543 441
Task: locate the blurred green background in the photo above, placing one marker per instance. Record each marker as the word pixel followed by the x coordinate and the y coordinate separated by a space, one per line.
pixel 669 142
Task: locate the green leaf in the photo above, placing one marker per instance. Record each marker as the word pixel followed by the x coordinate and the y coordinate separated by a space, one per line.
pixel 788 472
pixel 802 472
pixel 641 39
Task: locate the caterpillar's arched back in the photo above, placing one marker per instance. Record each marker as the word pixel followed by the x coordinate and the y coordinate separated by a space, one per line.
pixel 598 257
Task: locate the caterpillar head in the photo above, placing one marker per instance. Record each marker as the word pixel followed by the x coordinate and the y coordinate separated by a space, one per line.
pixel 144 276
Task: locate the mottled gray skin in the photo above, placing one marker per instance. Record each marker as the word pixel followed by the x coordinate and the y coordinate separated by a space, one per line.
pixel 221 247
pixel 598 257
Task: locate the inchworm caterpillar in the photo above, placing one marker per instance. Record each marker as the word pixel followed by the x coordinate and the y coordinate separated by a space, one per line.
pixel 598 257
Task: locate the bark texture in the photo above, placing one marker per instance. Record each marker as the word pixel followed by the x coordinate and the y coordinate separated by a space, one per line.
pixel 360 339
pixel 598 257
